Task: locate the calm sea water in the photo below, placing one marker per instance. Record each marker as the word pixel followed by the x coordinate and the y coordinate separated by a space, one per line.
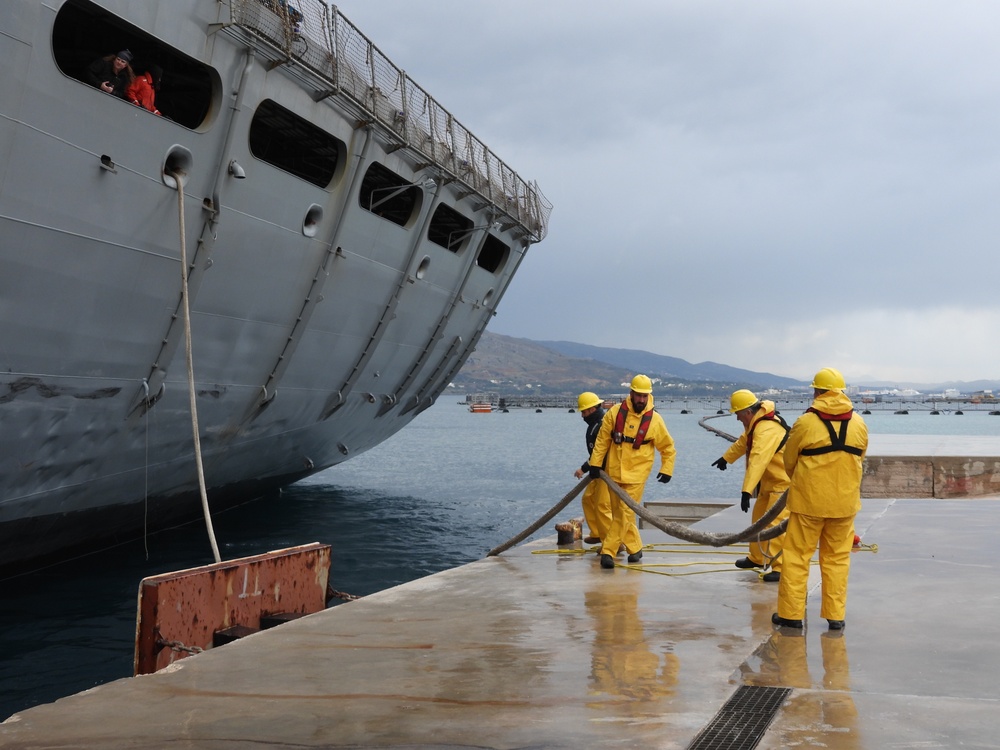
pixel 442 492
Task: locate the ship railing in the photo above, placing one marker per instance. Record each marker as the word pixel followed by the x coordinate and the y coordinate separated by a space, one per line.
pixel 320 38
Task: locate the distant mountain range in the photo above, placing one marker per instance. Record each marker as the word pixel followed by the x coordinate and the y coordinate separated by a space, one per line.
pixel 671 367
pixel 506 365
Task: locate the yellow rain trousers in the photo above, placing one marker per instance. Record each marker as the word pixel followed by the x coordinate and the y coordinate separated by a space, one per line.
pixel 597 511
pixel 824 497
pixel 765 466
pixel 630 468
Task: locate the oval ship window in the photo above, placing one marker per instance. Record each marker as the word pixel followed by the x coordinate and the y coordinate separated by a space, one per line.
pixel 83 33
pixel 289 142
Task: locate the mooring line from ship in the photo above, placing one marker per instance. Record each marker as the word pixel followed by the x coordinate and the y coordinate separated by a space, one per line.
pixel 332 593
pixel 760 530
pixel 720 433
pixel 543 520
pixel 192 396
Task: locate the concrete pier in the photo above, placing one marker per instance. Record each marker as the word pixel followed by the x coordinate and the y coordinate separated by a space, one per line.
pixel 542 648
pixel 943 466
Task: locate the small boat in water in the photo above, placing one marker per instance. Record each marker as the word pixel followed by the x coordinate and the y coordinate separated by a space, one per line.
pixel 345 241
pixel 481 408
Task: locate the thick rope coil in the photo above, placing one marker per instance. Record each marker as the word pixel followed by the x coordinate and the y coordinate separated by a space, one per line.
pixel 541 521
pixel 758 530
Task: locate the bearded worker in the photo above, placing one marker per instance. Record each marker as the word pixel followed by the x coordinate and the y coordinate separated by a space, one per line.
pixel 824 456
pixel 762 444
pixel 631 434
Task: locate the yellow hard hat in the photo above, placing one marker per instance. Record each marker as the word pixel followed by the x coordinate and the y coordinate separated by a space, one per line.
pixel 587 400
pixel 829 379
pixel 742 399
pixel 641 384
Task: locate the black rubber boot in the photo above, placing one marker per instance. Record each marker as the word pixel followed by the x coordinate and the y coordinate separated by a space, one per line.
pixel 636 557
pixel 782 622
pixel 746 563
pixel 607 561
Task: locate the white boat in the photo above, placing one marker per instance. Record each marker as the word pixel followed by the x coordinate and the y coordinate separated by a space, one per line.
pixel 346 240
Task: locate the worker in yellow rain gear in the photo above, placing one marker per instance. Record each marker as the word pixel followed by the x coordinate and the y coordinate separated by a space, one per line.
pixel 631 433
pixel 823 457
pixel 596 498
pixel 762 444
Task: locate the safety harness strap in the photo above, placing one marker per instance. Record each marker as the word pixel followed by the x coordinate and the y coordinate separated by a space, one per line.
pixel 838 439
pixel 774 417
pixel 618 436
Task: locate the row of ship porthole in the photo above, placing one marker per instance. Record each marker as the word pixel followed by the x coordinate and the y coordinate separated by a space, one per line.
pixel 178 163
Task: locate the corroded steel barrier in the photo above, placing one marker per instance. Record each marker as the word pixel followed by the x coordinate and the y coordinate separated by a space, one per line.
pixel 190 611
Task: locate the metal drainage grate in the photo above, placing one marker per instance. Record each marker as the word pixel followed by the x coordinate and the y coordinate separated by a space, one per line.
pixel 742 721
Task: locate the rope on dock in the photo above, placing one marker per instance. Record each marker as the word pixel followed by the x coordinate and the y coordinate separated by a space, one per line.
pixel 332 593
pixel 758 531
pixel 541 521
pixel 179 647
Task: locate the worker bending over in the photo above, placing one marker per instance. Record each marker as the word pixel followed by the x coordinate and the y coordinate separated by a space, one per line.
pixel 762 445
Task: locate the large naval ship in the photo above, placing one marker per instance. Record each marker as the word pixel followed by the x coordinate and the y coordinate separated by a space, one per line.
pixel 342 239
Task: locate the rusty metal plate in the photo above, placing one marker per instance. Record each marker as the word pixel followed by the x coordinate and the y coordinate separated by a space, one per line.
pixel 179 612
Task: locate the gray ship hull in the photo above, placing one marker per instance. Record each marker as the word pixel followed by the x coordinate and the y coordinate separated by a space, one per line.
pixel 345 252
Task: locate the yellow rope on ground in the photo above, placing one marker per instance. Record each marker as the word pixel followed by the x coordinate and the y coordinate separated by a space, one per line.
pixel 690 564
pixel 573 551
pixel 647 569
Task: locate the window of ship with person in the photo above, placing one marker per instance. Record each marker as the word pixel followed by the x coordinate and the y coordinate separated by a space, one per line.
pixel 85 35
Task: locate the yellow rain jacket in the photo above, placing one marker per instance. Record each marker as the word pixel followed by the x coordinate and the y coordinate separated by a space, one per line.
pixel 765 463
pixel 627 465
pixel 826 483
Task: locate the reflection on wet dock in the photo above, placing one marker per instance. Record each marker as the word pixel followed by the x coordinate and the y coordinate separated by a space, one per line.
pixel 540 647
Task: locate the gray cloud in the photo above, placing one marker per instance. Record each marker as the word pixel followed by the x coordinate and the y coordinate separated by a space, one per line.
pixel 776 185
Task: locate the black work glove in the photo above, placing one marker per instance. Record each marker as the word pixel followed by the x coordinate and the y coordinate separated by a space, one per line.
pixel 720 464
pixel 595 472
pixel 661 477
pixel 745 501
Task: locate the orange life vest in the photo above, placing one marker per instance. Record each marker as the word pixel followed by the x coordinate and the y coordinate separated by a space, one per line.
pixel 618 435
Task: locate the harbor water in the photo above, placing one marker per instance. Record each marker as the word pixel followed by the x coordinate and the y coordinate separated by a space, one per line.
pixel 440 493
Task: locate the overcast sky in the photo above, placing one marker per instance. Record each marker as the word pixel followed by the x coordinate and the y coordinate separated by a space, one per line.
pixel 774 185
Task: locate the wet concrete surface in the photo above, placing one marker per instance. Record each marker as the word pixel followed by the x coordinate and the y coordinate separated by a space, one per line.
pixel 541 648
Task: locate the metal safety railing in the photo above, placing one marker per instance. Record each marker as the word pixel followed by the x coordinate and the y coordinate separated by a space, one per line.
pixel 320 38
